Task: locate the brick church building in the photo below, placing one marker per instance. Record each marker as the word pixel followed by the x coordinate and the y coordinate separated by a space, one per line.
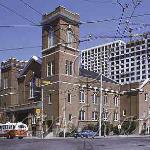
pixel 72 97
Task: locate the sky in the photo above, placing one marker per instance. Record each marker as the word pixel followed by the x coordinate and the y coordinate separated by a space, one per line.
pixel 22 34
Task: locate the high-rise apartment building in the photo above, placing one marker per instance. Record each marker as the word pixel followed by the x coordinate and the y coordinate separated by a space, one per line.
pixel 130 63
pixel 124 63
pixel 92 58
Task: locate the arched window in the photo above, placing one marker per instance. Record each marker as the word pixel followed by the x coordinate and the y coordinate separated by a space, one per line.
pixel 51 38
pixel 69 38
pixel 82 115
pixel 31 89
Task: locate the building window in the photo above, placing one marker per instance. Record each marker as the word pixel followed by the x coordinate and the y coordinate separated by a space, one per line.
pixel 94 97
pixel 105 116
pixel 105 99
pixel 69 38
pixel 143 46
pixel 31 90
pixel 138 77
pixel 50 99
pixel 94 115
pixel 50 69
pixel 116 100
pixel 146 96
pixel 51 38
pixel 115 116
pixel 122 80
pixel 124 112
pixel 38 82
pixel 68 67
pixel 5 83
pixel 69 98
pixel 70 117
pixel 82 115
pixel 82 96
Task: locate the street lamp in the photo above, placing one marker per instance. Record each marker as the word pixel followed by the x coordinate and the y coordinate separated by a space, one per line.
pixel 100 101
pixel 64 118
pixel 45 83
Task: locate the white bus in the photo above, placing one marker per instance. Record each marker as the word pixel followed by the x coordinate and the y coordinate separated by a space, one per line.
pixel 11 130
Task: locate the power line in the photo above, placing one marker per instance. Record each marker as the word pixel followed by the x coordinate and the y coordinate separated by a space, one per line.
pixel 33 23
pixel 20 26
pixel 94 37
pixel 16 13
pixel 112 19
pixel 28 5
pixel 136 4
pixel 124 7
pixel 80 23
pixel 19 48
pixel 100 2
pixel 51 27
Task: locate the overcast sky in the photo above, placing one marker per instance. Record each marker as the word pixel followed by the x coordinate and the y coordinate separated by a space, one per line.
pixel 89 10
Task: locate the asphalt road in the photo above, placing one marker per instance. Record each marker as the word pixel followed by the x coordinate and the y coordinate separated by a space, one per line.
pixel 115 143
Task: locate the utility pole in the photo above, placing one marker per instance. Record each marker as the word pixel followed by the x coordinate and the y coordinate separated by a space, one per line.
pixel 44 83
pixel 64 118
pixel 100 101
pixel 100 107
pixel 42 119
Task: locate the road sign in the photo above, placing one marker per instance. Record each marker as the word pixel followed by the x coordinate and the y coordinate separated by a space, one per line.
pixel 45 82
pixel 119 126
pixel 38 112
pixel 57 124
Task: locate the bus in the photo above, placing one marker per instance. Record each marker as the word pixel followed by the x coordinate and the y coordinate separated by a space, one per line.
pixel 12 130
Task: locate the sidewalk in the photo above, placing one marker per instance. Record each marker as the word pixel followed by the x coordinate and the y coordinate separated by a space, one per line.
pixel 122 136
pixel 97 137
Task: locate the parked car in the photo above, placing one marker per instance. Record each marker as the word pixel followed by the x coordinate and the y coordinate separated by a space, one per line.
pixel 86 134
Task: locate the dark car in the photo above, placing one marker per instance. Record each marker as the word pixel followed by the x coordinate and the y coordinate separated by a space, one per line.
pixel 86 134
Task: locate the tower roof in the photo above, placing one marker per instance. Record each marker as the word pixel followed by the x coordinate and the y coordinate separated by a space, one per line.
pixel 61 12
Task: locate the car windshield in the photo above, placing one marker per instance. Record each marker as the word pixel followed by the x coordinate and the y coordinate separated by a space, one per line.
pixel 87 131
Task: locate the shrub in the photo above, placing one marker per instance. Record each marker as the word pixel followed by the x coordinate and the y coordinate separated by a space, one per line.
pixel 128 127
pixel 67 134
pixel 143 131
pixel 61 134
pixel 106 127
pixel 91 127
pixel 115 130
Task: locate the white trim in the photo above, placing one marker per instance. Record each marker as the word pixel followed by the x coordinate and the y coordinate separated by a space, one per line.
pixel 51 66
pixel 82 115
pixel 94 115
pixel 116 100
pixel 65 75
pixel 59 51
pixel 88 49
pixel 82 96
pixel 94 98
pixel 116 116
pixel 80 85
pixel 124 112
pixel 65 83
pixel 50 99
pixel 31 92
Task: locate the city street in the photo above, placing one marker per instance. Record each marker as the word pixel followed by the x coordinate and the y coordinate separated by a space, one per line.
pixel 112 143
